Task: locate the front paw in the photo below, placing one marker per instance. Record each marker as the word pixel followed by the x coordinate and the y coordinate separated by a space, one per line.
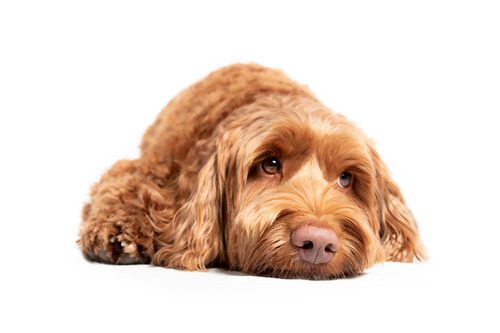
pixel 114 243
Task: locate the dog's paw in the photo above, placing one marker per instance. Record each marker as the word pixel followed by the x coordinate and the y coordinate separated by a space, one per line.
pixel 114 243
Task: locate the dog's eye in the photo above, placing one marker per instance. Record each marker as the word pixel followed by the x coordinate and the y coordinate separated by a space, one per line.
pixel 345 179
pixel 270 165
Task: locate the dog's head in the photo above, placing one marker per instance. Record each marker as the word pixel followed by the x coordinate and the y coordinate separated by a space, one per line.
pixel 289 189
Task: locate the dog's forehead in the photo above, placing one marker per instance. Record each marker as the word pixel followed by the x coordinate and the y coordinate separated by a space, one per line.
pixel 298 132
pixel 322 125
pixel 324 122
pixel 330 129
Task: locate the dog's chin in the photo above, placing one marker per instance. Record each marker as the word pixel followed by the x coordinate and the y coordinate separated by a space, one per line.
pixel 314 272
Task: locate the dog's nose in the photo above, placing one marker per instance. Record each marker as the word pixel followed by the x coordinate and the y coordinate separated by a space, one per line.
pixel 316 245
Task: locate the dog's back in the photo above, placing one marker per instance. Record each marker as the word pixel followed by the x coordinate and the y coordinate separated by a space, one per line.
pixel 194 113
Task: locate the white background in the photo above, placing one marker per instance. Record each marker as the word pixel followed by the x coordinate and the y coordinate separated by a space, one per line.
pixel 80 82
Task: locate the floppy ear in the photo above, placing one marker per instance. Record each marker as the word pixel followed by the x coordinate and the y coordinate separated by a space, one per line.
pixel 398 229
pixel 192 240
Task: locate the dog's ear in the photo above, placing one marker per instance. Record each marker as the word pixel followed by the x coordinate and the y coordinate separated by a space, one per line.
pixel 398 229
pixel 192 240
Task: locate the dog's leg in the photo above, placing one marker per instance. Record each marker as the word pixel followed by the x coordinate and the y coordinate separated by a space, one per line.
pixel 116 225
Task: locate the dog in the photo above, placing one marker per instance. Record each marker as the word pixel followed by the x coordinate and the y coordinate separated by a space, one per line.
pixel 247 170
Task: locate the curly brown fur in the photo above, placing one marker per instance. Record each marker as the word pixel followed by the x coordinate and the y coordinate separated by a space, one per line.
pixel 196 196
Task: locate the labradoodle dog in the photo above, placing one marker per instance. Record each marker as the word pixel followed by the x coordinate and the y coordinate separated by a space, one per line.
pixel 247 170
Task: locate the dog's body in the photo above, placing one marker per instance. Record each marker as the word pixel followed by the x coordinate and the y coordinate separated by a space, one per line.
pixel 247 170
